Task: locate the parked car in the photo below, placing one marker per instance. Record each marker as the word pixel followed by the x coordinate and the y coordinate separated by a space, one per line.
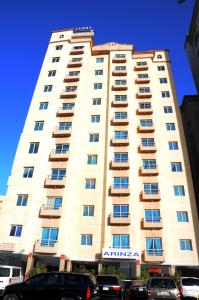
pixel 54 286
pixel 189 287
pixel 9 275
pixel 110 286
pixel 138 289
pixel 162 288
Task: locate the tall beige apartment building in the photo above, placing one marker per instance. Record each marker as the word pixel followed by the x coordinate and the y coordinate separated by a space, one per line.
pixel 101 174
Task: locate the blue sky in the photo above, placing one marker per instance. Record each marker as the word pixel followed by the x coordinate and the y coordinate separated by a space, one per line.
pixel 25 28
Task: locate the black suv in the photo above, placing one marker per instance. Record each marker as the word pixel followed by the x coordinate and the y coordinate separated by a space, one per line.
pixel 55 286
pixel 110 286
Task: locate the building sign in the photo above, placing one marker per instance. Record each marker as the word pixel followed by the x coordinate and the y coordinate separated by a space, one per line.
pixel 82 29
pixel 120 253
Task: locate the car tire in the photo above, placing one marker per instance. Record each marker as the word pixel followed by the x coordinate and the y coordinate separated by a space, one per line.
pixel 11 297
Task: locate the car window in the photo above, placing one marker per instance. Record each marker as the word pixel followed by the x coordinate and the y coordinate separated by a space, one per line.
pixel 4 272
pixel 190 281
pixel 162 283
pixel 107 280
pixel 15 272
pixel 37 280
pixel 74 280
pixel 52 279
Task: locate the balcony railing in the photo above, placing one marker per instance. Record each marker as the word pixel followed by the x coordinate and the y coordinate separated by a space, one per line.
pixel 151 223
pixel 119 72
pixel 119 103
pixel 151 194
pixel 156 255
pixel 62 131
pixel 119 59
pixel 149 170
pixel 120 141
pixel 144 94
pixel 55 181
pixel 59 155
pixel 146 128
pixel 119 87
pixel 70 78
pixel 145 111
pixel 68 93
pixel 122 164
pixel 120 189
pixel 46 246
pixel 65 111
pixel 147 148
pixel 141 67
pixel 120 218
pixel 53 210
pixel 73 64
pixel 120 121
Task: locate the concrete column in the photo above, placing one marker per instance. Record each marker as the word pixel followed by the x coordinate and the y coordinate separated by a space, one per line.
pixel 172 270
pixel 29 265
pixel 99 267
pixel 68 266
pixel 138 269
pixel 62 263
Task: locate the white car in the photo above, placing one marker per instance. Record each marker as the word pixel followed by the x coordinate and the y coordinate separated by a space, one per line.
pixel 189 287
pixel 9 275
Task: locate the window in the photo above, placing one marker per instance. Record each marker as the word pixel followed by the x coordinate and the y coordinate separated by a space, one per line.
pixel 120 115
pixel 185 245
pixel 76 59
pixel 99 60
pixel 61 148
pixel 173 145
pixel 39 125
pixel 58 174
pixel 145 105
pixel 141 63
pixel 146 123
pixel 68 106
pixel 49 236
pixel 55 59
pixel 182 216
pixel 96 101
pixel 73 73
pixel 176 167
pixel 151 188
pixel 58 47
pixel 170 126
pixel 168 109
pixel 154 246
pixel 120 82
pixel 95 118
pixel 88 210
pixel 161 68
pixel 148 142
pixel 165 94
pixel 90 184
pixel 48 88
pixel 159 56
pixel 92 160
pixel 97 86
pixel 16 230
pixel 121 157
pixel 163 80
pixel 94 137
pixel 78 47
pixel 33 148
pixel 121 182
pixel 120 98
pixel 152 215
pixel 51 73
pixel 120 135
pixel 22 200
pixel 98 72
pixel 143 75
pixel 72 88
pixel 149 164
pixel 120 211
pixel 53 203
pixel 28 172
pixel 43 105
pixel 65 125
pixel 120 68
pixel 86 239
pixel 179 190
pixel 61 36
pixel 143 90
pixel 120 55
pixel 120 241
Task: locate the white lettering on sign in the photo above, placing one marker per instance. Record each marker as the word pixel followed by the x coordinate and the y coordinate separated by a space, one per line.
pixel 120 253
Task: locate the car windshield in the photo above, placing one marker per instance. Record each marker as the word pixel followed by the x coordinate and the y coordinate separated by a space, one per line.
pixel 4 272
pixel 138 283
pixel 107 280
pixel 190 281
pixel 162 283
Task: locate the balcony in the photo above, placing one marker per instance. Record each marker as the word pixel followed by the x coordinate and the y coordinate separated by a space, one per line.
pixel 120 219
pixel 69 78
pixel 119 121
pixel 147 149
pixel 65 112
pixel 149 172
pixel 120 142
pixel 46 247
pixel 156 224
pixel 122 103
pixel 59 132
pixel 144 111
pixel 141 67
pixel 74 64
pixel 77 51
pixel 152 195
pixel 50 211
pixel 144 95
pixel 120 190
pixel 120 165
pixel 119 87
pixel 119 72
pixel 56 155
pixel 153 256
pixel 144 129
pixel 119 60
pixel 142 80
pixel 68 94
pixel 55 182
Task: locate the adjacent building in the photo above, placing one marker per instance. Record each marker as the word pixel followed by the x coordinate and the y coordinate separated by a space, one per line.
pixel 101 175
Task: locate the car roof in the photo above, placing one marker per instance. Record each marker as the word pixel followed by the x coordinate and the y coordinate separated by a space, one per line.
pixel 6 266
